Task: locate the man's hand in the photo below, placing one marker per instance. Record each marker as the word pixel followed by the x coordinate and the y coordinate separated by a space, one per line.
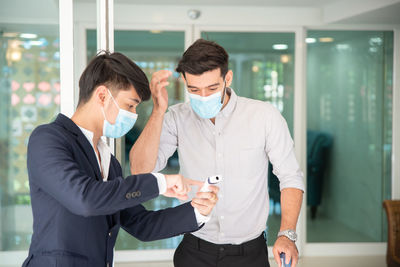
pixel 158 92
pixel 283 244
pixel 204 202
pixel 178 186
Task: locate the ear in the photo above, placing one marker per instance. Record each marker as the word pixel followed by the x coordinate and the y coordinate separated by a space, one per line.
pixel 100 95
pixel 229 78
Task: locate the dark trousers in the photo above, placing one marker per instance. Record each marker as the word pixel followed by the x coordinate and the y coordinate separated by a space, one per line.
pixel 196 252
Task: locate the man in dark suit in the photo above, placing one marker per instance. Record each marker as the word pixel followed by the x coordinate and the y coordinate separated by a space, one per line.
pixel 79 196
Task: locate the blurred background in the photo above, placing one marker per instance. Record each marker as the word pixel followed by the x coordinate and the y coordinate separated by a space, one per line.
pixel 329 66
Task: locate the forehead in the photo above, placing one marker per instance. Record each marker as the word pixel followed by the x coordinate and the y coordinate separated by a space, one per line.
pixel 128 94
pixel 204 79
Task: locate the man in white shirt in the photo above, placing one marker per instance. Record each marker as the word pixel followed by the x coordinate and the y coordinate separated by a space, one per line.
pixel 80 198
pixel 218 132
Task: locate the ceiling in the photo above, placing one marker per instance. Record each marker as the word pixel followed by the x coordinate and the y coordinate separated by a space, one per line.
pixel 334 11
pixel 276 3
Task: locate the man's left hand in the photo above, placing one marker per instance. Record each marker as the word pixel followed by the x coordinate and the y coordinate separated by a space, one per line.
pixel 283 244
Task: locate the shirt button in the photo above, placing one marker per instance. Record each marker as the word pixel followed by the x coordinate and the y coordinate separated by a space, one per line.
pixel 221 249
pixel 219 155
pixel 221 196
pixel 109 234
pixel 222 217
pixel 108 264
pixel 222 234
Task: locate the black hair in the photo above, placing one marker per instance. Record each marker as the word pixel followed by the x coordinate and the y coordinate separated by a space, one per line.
pixel 203 56
pixel 113 70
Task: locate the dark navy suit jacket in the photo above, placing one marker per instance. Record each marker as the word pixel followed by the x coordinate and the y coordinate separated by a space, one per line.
pixel 77 216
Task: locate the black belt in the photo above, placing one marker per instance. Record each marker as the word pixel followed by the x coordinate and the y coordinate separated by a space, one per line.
pixel 226 249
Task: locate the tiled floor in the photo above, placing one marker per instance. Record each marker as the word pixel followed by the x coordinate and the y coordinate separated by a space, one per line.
pixel 366 261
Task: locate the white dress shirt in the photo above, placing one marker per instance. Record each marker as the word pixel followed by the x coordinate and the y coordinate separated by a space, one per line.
pixel 105 161
pixel 247 133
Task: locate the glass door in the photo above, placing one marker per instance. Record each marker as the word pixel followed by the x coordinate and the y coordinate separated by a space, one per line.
pixel 349 134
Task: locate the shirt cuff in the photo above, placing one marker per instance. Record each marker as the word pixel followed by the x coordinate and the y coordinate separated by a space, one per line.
pixel 162 183
pixel 201 219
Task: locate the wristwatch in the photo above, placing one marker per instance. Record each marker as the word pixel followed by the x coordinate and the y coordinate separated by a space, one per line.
pixel 289 234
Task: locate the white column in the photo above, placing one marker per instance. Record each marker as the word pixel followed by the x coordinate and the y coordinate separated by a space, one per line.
pixel 396 117
pixel 67 105
pixel 105 41
pixel 300 123
pixel 105 25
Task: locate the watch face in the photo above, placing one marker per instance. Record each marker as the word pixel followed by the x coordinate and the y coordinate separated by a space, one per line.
pixel 292 235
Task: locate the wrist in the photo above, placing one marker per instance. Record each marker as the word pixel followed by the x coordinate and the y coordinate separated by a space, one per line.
pixel 288 233
pixel 158 112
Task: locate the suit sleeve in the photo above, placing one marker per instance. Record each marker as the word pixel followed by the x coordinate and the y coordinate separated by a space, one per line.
pixel 53 169
pixel 153 225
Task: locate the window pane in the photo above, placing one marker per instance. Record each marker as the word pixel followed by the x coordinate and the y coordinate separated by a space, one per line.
pixel 152 51
pixel 349 136
pixel 29 96
pixel 263 69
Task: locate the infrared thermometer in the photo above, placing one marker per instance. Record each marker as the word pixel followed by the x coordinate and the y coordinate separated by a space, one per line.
pixel 212 180
pixel 282 255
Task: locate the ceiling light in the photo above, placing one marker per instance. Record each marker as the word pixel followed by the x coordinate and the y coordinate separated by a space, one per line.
pixel 311 40
pixel 326 39
pixel 280 46
pixel 28 35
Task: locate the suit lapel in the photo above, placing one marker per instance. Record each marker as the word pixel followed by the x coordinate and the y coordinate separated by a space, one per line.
pixel 90 154
pixel 87 148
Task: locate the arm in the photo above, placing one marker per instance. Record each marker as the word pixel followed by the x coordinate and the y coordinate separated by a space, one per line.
pixel 143 154
pixel 291 199
pixel 53 168
pixel 152 225
pixel 279 146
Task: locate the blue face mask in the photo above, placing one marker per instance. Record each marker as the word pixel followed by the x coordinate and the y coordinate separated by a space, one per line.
pixel 207 107
pixel 123 123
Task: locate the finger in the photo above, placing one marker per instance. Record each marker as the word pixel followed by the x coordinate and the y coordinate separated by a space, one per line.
pixel 200 201
pixel 159 76
pixel 277 257
pixel 193 182
pixel 214 189
pixel 204 210
pixel 295 258
pixel 288 257
pixel 207 195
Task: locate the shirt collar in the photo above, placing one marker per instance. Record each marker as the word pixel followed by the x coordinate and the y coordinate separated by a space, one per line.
pixel 230 106
pixel 89 135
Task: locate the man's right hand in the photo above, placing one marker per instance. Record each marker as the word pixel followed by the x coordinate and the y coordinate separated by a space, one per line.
pixel 204 202
pixel 159 81
pixel 178 186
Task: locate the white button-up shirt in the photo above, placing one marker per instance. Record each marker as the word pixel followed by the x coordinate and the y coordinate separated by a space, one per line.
pixel 247 133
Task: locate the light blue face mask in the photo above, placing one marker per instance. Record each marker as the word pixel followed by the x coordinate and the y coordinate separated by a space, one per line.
pixel 207 107
pixel 123 123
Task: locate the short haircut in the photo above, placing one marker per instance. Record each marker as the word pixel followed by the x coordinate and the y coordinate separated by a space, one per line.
pixel 203 56
pixel 115 71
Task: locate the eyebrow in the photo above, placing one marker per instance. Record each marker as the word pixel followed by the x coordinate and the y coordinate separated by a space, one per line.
pixel 135 100
pixel 191 86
